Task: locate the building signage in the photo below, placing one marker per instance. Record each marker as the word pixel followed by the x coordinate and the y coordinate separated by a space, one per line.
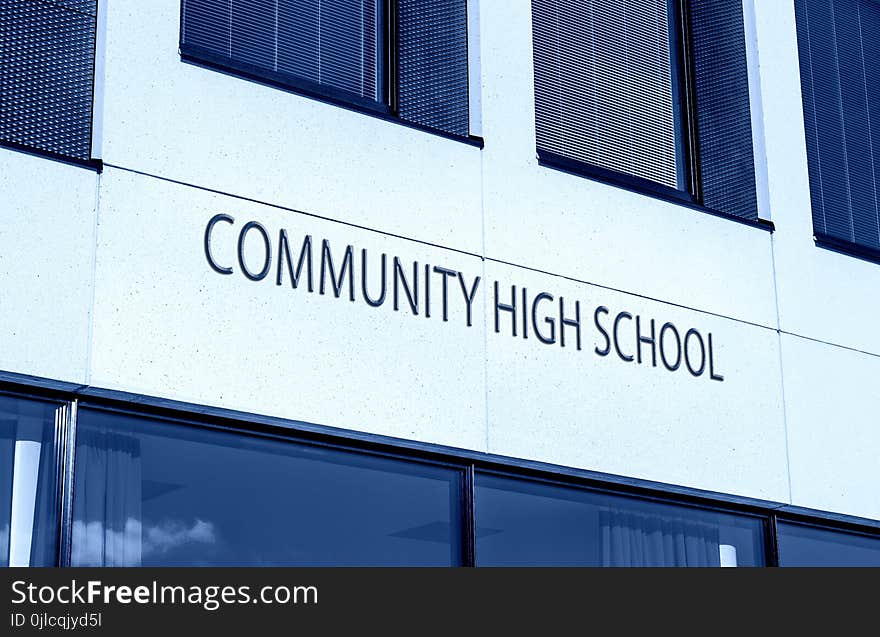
pixel 428 290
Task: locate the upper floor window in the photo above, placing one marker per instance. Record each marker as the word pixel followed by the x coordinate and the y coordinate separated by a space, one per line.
pixel 47 67
pixel 402 58
pixel 839 45
pixel 651 95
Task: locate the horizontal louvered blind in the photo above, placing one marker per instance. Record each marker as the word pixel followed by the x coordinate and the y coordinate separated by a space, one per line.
pixel 47 58
pixel 433 66
pixel 330 43
pixel 604 86
pixel 724 124
pixel 839 46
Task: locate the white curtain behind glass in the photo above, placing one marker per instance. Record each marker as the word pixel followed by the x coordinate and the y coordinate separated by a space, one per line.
pixel 107 510
pixel 635 539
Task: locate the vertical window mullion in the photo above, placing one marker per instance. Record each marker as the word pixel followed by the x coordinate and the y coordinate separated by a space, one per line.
pixel 391 55
pixel 65 480
pixel 771 541
pixel 469 518
pixel 689 143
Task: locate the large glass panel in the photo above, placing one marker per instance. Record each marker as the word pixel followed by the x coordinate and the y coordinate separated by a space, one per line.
pixel 801 545
pixel 28 493
pixel 522 523
pixel 150 493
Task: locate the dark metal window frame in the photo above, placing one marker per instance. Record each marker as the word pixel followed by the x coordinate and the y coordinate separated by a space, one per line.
pixel 93 164
pixel 70 397
pixel 387 77
pixel 687 135
pixel 848 248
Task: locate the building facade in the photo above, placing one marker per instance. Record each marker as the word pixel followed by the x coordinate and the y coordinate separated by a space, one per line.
pixel 459 282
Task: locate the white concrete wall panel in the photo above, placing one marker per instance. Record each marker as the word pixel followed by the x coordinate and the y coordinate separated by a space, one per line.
pixel 577 408
pixel 168 325
pixel 47 223
pixel 183 143
pixel 573 226
pixel 822 294
pixel 833 412
pixel 203 127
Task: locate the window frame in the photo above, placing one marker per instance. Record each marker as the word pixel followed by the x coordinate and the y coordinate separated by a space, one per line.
pixel 256 431
pixel 91 163
pixel 387 76
pixel 687 135
pixel 647 496
pixel 850 248
pixel 842 527
pixel 386 40
pixel 61 438
pixel 72 395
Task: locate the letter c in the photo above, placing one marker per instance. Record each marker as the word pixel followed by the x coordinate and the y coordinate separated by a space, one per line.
pixel 208 229
pixel 617 319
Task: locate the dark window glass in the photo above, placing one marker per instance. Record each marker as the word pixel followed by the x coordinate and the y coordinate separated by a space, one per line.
pixel 152 493
pixel 28 483
pixel 432 67
pixel 839 46
pixel 328 44
pixel 723 108
pixel 648 93
pixel 603 85
pixel 801 545
pixel 47 60
pixel 342 50
pixel 521 523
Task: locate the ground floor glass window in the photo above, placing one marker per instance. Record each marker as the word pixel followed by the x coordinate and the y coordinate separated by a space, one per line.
pixel 28 494
pixel 525 523
pixel 805 545
pixel 154 493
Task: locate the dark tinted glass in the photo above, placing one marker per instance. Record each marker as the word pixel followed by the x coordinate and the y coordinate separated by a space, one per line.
pixel 28 494
pixel 47 61
pixel 520 523
pixel 337 45
pixel 433 68
pixel 152 493
pixel 724 120
pixel 610 93
pixel 604 85
pixel 839 49
pixel 801 545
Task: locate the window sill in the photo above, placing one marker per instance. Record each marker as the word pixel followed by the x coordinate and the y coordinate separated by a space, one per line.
pixel 91 164
pixel 847 248
pixel 642 187
pixel 199 56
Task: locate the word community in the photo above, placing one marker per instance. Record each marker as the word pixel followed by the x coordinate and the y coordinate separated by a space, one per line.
pixel 427 290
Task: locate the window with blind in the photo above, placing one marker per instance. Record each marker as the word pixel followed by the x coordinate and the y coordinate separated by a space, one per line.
pixel 839 45
pixel 47 67
pixel 652 95
pixel 406 59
